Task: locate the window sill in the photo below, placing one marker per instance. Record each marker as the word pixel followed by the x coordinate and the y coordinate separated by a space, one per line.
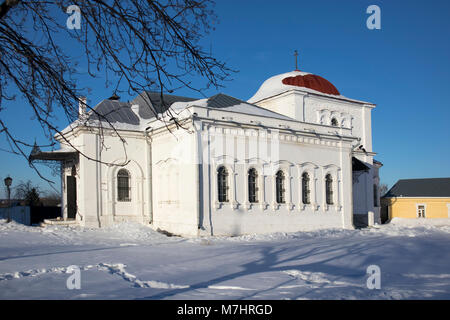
pixel 233 204
pixel 250 205
pixel 303 206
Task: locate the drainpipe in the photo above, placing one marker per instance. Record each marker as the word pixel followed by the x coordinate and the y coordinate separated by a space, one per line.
pixel 352 214
pixel 63 202
pixel 352 149
pixel 197 164
pixel 149 173
pixel 99 179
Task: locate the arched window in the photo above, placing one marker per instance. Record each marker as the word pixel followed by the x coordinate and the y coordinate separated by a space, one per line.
pixel 334 122
pixel 329 189
pixel 252 185
pixel 222 184
pixel 279 184
pixel 123 185
pixel 305 188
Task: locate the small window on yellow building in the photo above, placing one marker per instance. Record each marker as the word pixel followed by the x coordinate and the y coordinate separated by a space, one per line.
pixel 421 211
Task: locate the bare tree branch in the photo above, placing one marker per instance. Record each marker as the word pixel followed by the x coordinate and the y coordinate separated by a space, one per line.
pixel 134 45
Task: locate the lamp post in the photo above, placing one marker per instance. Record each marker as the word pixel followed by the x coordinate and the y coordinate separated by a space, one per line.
pixel 8 182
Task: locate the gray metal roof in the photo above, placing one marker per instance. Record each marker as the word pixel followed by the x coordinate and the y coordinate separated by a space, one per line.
pixel 433 187
pixel 115 111
pixel 223 101
pixel 150 103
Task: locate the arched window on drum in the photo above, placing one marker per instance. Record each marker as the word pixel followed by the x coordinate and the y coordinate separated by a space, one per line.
pixel 334 122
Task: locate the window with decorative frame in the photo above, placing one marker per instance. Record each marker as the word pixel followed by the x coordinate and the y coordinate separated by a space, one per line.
pixel 222 184
pixel 123 185
pixel 305 188
pixel 279 185
pixel 329 189
pixel 252 185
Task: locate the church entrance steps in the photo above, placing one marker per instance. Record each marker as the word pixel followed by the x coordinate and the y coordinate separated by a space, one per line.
pixel 59 222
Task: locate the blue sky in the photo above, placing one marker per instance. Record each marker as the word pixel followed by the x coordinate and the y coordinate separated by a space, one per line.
pixel 404 68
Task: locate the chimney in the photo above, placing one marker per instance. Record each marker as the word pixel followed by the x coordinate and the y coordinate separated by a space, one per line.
pixel 81 107
pixel 114 97
pixel 135 109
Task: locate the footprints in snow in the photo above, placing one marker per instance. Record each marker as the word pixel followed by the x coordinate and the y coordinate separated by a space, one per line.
pixel 115 268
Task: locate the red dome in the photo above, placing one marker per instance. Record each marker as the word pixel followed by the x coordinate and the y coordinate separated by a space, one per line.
pixel 312 81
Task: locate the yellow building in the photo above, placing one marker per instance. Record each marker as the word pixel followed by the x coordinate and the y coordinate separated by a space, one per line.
pixel 418 198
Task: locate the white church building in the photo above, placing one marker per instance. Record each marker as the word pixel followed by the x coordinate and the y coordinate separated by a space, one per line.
pixel 295 156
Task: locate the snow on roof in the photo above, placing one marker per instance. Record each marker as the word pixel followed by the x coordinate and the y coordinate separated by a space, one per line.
pixel 275 86
pixel 132 116
pixel 135 115
pixel 224 102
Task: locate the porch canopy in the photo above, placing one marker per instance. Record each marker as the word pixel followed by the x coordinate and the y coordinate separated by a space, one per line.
pixel 358 165
pixel 56 155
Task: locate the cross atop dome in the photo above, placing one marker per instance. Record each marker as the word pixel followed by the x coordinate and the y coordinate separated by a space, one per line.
pixel 296 55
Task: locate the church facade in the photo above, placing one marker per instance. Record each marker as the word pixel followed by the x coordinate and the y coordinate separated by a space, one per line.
pixel 296 156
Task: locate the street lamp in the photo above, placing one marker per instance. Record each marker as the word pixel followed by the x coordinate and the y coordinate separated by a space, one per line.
pixel 8 182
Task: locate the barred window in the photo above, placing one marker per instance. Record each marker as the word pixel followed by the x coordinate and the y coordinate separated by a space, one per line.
pixel 329 189
pixel 252 185
pixel 222 183
pixel 305 188
pixel 279 182
pixel 123 185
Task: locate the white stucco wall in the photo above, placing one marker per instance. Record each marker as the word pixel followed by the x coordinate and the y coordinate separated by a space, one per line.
pixel 97 203
pixel 353 118
pixel 173 182
pixel 320 110
pixel 294 154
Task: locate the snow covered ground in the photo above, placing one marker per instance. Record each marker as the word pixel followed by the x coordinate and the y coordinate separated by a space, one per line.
pixel 131 261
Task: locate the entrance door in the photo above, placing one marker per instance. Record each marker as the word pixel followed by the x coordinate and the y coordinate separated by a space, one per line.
pixel 71 197
pixel 421 211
